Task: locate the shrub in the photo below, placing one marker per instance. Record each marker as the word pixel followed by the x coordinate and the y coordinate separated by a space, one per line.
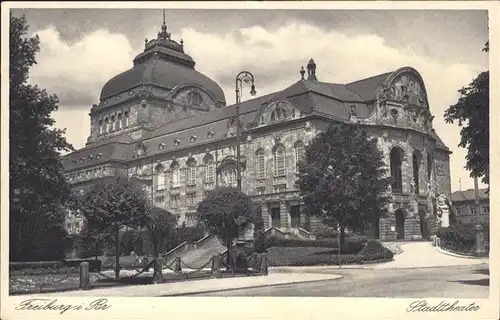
pixel 94 264
pixel 35 265
pixel 374 250
pixel 353 245
pixel 50 267
pixel 311 256
pixel 461 237
pixel 45 271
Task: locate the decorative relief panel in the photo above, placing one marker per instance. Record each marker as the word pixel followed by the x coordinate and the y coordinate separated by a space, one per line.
pixel 276 112
pixel 403 102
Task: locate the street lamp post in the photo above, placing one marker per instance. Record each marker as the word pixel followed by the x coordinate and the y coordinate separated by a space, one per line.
pixel 246 77
pixel 480 251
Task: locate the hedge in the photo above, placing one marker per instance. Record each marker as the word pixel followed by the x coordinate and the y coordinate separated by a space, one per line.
pixel 372 252
pixel 461 238
pixel 45 271
pixel 94 264
pixel 35 265
pixel 351 245
pixel 52 267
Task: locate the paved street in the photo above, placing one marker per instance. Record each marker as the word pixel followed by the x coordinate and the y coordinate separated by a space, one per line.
pixel 456 281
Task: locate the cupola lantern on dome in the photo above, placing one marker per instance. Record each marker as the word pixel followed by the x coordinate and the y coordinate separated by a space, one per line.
pixel 163 63
pixel 165 48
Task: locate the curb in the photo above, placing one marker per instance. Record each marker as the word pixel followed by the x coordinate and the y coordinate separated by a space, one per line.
pixel 337 277
pixel 456 255
pixel 434 267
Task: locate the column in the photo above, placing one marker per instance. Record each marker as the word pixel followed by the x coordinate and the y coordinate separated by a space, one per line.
pixel 285 219
pixel 265 216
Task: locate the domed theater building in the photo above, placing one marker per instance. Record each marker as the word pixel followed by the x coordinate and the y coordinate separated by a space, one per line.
pixel 168 125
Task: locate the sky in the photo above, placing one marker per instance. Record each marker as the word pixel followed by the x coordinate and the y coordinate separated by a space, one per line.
pixel 81 49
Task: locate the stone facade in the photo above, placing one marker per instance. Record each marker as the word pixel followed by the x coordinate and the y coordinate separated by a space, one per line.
pixel 179 139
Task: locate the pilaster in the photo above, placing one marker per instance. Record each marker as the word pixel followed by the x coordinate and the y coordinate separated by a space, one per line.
pixel 285 219
pixel 266 216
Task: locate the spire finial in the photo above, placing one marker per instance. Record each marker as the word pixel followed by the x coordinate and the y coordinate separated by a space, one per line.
pixel 163 34
pixel 311 70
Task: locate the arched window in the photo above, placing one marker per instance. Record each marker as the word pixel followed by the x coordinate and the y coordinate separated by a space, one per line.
pixel 112 123
pixel 299 154
pixel 260 166
pixel 227 177
pixel 232 126
pixel 126 119
pixel 119 122
pixel 396 173
pixel 175 179
pixel 416 167
pixel 101 127
pixel 279 161
pixel 191 172
pixel 209 169
pixel 106 124
pixel 158 179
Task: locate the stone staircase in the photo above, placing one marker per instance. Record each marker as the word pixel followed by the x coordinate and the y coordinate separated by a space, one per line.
pixel 290 234
pixel 195 255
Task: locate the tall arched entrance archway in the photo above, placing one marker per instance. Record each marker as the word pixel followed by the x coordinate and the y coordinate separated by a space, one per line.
pixel 400 223
pixel 424 228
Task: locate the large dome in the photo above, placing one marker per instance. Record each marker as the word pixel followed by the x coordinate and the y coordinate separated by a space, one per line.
pixel 163 63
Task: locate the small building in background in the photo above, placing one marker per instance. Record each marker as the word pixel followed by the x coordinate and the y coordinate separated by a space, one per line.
pixel 463 203
pixel 73 222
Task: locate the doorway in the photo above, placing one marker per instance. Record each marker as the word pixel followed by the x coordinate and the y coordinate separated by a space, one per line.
pixel 276 216
pixel 400 223
pixel 423 225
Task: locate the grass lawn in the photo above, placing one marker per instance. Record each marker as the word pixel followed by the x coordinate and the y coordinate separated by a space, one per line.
pixel 288 256
pixel 315 256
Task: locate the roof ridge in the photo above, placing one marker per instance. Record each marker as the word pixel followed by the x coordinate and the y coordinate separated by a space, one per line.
pixel 368 78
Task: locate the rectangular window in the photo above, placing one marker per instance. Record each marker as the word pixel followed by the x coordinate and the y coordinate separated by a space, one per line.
pixel 209 172
pixel 280 188
pixel 458 211
pixel 174 201
pixel 276 217
pixel 472 210
pixel 261 190
pixel 159 200
pixel 191 176
pixel 295 216
pixel 191 199
pixel 260 164
pixel 190 220
pixel 486 209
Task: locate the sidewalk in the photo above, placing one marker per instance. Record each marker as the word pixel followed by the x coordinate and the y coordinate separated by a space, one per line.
pixel 196 286
pixel 412 255
pixel 424 255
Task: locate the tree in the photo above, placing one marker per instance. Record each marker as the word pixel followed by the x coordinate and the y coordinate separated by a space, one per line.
pixel 38 190
pixel 472 114
pixel 223 212
pixel 112 205
pixel 160 225
pixel 91 243
pixel 343 179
